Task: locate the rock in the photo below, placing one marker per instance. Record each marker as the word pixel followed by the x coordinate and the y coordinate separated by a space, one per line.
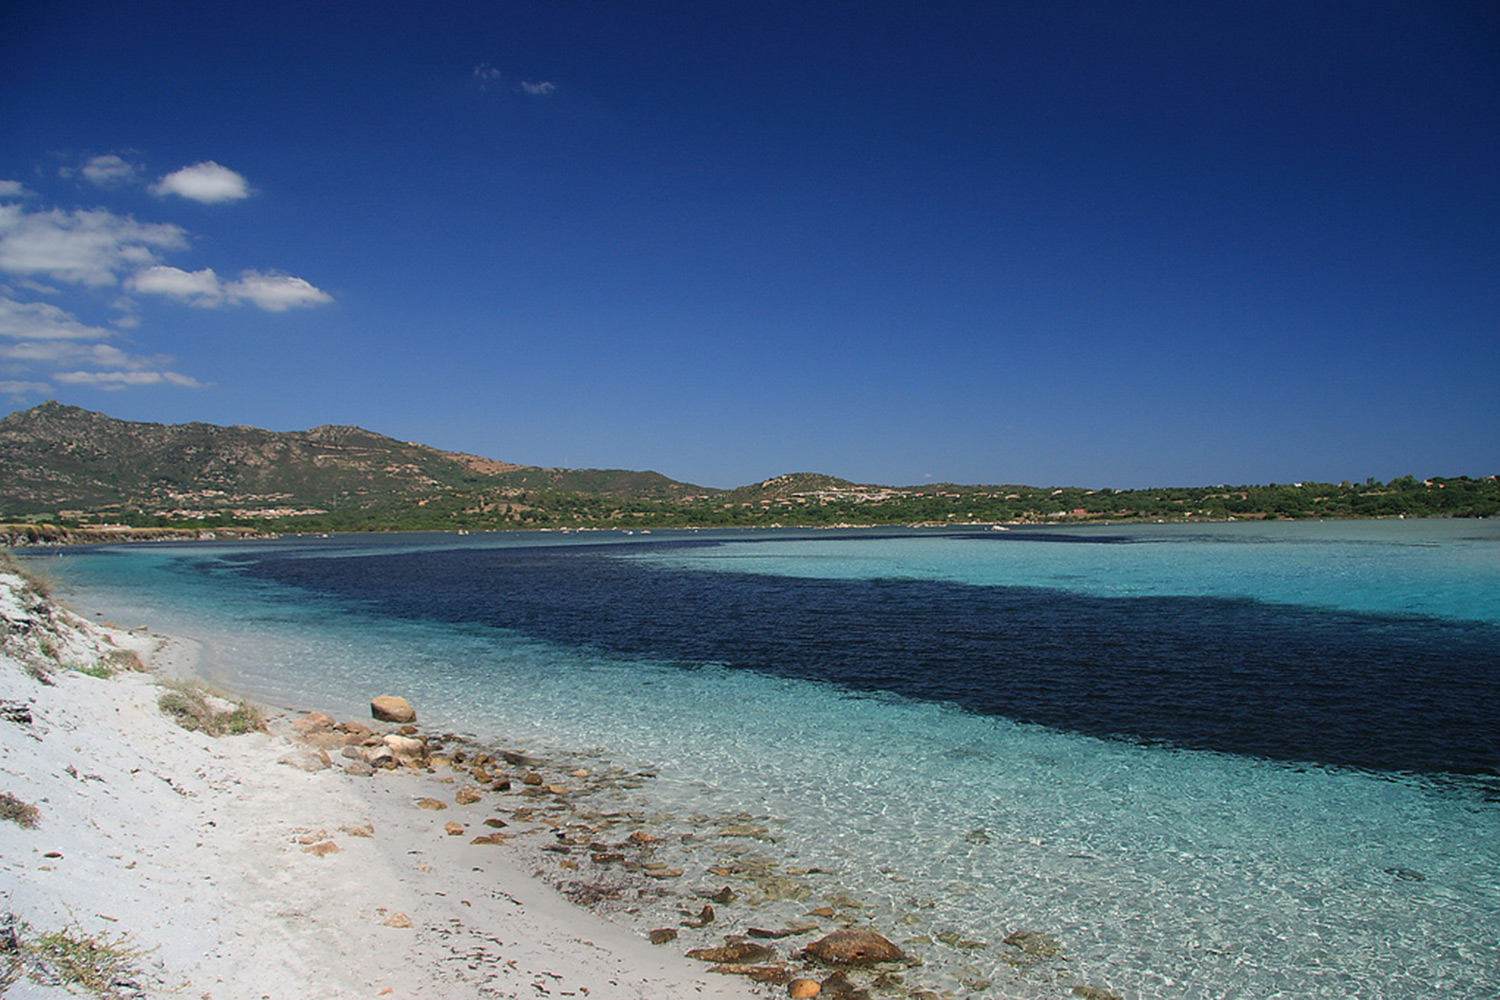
pixel 392 708
pixel 803 989
pixel 354 728
pixel 775 974
pixel 405 746
pixel 496 823
pixel 324 849
pixel 398 920
pixel 493 838
pixel 663 935
pixel 532 778
pixel 454 829
pixel 854 948
pixel 821 911
pixel 358 769
pixel 380 756
pixel 1034 943
pixel 435 805
pixel 308 760
pixel 313 722
pixel 468 795
pixel 736 953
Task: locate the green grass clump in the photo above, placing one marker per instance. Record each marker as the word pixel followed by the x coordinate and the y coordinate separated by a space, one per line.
pixel 95 965
pixel 187 704
pixel 18 812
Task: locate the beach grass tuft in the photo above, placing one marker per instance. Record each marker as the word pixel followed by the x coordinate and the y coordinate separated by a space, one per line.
pixel 21 813
pixel 194 707
pixel 95 965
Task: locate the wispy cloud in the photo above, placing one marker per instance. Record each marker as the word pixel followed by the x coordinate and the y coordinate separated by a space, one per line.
pixel 110 171
pixel 486 76
pixel 205 182
pixel 44 321
pixel 86 246
pixel 539 89
pixel 59 260
pixel 270 291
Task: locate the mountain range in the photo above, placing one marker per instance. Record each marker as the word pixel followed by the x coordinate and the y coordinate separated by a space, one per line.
pixel 68 461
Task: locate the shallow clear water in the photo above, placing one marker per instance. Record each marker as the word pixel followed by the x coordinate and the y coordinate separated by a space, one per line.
pixel 792 676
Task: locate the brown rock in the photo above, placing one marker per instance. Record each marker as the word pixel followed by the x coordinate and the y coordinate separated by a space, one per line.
pixel 358 769
pixel 775 974
pixel 354 728
pixel 492 838
pixel 454 829
pixel 736 953
pixel 405 746
pixel 496 823
pixel 822 911
pixel 398 919
pixel 854 948
pixel 468 795
pixel 392 708
pixel 532 778
pixel 324 849
pixel 803 989
pixel 433 804
pixel 311 759
pixel 313 722
pixel 663 935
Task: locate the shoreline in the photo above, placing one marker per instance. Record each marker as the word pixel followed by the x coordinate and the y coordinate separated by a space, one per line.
pixel 235 875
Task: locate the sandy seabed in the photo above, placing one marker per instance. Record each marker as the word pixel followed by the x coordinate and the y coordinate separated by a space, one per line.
pixel 237 876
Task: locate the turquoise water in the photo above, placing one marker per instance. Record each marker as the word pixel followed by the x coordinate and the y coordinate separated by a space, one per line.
pixel 1162 872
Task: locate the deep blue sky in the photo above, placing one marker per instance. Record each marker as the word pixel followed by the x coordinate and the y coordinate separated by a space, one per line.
pixel 1091 244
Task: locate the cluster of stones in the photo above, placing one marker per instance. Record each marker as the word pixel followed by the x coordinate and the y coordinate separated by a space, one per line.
pixel 360 749
pixel 610 859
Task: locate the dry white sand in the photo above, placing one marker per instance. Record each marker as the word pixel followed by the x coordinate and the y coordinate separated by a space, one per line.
pixel 196 850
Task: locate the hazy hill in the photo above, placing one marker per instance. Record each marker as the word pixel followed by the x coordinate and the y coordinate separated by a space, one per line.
pixel 55 457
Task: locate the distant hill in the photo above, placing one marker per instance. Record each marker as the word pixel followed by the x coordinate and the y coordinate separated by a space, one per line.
pixel 56 458
pixel 83 471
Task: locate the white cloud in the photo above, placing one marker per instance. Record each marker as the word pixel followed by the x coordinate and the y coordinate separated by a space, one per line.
pixel 13 189
pixel 109 171
pixel 20 390
pixel 541 89
pixel 275 292
pixel 486 76
pixel 207 182
pixel 87 246
pixel 199 288
pixel 127 379
pixel 271 292
pixel 44 321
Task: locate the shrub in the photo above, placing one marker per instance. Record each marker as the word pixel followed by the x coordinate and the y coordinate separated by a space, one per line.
pixel 191 706
pixel 18 812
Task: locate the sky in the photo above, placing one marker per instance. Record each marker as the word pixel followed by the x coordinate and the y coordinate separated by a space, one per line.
pixel 1088 244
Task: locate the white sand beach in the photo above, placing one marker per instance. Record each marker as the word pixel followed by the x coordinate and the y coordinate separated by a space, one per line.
pixel 235 875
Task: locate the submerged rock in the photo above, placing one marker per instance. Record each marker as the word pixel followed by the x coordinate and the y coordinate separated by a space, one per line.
pixel 855 948
pixel 738 952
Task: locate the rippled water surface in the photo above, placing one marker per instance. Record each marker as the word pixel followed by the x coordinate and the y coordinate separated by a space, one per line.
pixel 1227 760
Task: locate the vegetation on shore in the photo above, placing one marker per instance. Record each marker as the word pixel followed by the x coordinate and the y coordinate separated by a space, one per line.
pixel 820 506
pixel 68 475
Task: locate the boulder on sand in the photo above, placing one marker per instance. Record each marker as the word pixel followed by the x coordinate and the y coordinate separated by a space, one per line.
pixel 392 708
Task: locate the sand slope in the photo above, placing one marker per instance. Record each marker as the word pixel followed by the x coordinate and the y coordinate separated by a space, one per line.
pixel 214 856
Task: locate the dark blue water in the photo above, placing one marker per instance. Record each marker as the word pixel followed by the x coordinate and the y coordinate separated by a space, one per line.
pixel 1401 693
